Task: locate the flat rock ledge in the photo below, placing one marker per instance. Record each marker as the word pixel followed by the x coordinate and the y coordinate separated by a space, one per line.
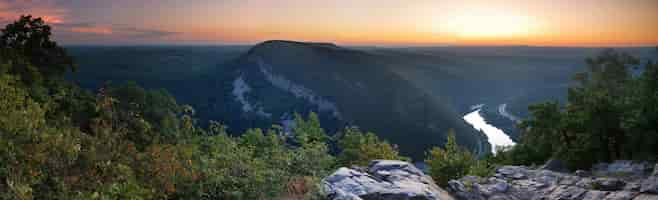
pixel 382 180
pixel 621 180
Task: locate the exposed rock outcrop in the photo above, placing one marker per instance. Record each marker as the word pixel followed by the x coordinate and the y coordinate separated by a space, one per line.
pixel 382 180
pixel 389 180
pixel 622 180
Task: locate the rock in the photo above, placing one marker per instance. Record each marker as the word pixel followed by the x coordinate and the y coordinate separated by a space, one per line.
pixel 547 177
pixel 608 184
pixel 585 183
pixel 595 195
pixel 621 195
pixel 622 167
pixel 582 173
pixel 500 187
pixel 382 180
pixel 650 185
pixel 456 186
pixel 646 197
pixel 569 180
pixel 501 197
pixel 514 172
pixel 634 186
pixel 555 165
pixel 520 183
pixel 655 170
pixel 567 193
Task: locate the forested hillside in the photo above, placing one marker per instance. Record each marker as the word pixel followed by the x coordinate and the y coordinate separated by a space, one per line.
pixel 267 83
pixel 121 141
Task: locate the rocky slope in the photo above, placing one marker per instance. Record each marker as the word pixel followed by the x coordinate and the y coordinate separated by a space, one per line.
pixel 621 180
pixel 384 180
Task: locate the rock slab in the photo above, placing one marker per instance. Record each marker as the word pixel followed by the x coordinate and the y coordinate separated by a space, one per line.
pixel 635 182
pixel 382 180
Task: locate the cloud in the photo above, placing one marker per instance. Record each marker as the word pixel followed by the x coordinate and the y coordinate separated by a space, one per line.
pixel 72 29
pixel 92 30
pixel 50 10
pixel 144 33
pixel 91 33
pixel 116 30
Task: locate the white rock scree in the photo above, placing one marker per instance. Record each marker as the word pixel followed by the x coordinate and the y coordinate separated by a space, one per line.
pixel 496 137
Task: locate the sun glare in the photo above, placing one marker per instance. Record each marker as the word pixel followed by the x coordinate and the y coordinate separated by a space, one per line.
pixel 478 26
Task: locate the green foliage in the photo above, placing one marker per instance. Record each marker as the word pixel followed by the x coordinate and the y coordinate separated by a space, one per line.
pixel 31 38
pixel 610 115
pixel 12 62
pixel 151 116
pixel 309 131
pixel 450 162
pixel 358 148
pixel 58 141
pixel 482 168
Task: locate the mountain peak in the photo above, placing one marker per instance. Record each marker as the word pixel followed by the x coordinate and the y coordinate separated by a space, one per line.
pixel 297 43
pixel 271 46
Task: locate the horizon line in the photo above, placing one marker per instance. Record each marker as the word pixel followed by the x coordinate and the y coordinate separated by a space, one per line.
pixel 362 45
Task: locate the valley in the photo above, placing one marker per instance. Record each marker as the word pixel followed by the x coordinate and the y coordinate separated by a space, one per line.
pixel 496 137
pixel 410 96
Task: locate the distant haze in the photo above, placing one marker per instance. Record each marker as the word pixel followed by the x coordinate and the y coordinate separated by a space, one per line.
pixel 347 22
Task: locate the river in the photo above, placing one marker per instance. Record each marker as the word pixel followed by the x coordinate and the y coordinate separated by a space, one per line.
pixel 496 137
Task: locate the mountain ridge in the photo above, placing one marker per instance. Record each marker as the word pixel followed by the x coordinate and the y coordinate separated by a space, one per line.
pixel 354 86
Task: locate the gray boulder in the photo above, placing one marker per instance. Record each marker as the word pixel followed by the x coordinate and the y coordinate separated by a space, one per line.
pixel 650 185
pixel 646 197
pixel 595 195
pixel 382 180
pixel 608 184
pixel 567 192
pixel 621 195
pixel 519 183
pixel 621 167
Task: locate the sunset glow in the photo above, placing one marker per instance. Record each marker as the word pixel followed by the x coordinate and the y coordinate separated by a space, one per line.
pixel 367 22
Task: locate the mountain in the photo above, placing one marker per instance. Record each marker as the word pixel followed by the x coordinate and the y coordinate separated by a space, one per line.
pixel 410 96
pixel 274 79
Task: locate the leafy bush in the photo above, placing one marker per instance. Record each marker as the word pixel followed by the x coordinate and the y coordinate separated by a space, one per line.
pixel 358 148
pixel 450 162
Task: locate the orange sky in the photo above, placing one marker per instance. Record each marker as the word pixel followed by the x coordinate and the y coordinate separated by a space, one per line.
pixel 348 22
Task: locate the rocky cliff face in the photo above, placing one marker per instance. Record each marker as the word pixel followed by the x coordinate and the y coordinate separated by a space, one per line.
pixel 387 180
pixel 621 180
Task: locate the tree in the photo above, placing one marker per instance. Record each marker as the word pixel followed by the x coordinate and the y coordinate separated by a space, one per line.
pixel 30 37
pixel 641 120
pixel 450 162
pixel 610 115
pixel 309 131
pixel 358 148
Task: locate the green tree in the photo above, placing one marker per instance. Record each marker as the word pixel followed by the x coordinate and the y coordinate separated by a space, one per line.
pixel 610 115
pixel 309 131
pixel 641 119
pixel 450 162
pixel 31 38
pixel 358 148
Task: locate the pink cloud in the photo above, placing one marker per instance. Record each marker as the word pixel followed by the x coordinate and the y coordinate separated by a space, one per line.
pixel 10 10
pixel 94 30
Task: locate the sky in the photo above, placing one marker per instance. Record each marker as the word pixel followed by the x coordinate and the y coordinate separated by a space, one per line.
pixel 347 22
